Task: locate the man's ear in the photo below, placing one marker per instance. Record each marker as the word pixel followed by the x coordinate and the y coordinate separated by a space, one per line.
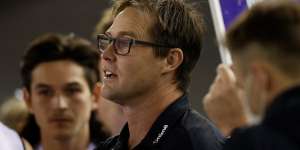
pixel 264 79
pixel 96 95
pixel 173 60
pixel 27 98
pixel 263 75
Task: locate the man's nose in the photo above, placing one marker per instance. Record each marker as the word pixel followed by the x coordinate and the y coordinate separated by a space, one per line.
pixel 61 102
pixel 108 54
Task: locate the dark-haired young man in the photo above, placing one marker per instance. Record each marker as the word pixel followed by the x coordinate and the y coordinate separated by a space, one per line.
pixel 60 75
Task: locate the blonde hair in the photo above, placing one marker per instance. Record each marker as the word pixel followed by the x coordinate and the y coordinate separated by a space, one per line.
pixel 14 113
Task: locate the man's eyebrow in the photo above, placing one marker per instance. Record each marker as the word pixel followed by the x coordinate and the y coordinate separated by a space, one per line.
pixel 41 86
pixel 123 33
pixel 73 84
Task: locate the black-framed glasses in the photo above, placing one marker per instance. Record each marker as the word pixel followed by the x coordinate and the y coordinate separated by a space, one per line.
pixel 122 45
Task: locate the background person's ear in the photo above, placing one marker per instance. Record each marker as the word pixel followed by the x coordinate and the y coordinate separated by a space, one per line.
pixel 96 95
pixel 261 91
pixel 173 60
pixel 262 76
pixel 27 98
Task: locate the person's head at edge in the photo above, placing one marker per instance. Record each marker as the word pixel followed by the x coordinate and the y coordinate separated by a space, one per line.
pixel 14 113
pixel 265 44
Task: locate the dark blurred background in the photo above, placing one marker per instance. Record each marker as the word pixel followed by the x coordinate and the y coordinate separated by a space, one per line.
pixel 21 21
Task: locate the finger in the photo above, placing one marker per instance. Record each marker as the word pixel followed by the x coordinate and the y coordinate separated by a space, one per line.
pixel 227 75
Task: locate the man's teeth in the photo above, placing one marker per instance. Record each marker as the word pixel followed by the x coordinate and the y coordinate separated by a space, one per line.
pixel 108 74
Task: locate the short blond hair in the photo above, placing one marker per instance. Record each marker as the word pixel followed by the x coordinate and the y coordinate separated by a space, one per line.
pixel 14 113
pixel 274 27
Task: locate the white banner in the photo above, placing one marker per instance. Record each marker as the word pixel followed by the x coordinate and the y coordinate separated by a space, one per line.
pixel 224 12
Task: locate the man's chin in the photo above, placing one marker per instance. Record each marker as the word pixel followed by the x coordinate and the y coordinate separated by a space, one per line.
pixel 107 94
pixel 62 126
pixel 62 135
pixel 117 97
pixel 115 100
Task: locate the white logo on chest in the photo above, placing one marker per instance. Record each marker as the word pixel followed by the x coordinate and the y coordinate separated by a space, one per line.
pixel 161 134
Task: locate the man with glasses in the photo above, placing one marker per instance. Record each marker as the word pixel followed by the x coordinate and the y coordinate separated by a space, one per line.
pixel 147 56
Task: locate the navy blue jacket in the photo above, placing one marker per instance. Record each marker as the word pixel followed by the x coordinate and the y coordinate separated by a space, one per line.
pixel 280 129
pixel 177 128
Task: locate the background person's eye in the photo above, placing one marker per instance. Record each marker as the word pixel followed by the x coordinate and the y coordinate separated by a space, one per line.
pixel 73 90
pixel 45 92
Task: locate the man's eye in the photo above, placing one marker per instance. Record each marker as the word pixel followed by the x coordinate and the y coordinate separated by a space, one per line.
pixel 122 45
pixel 73 90
pixel 45 92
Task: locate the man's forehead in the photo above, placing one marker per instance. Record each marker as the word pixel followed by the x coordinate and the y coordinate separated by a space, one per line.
pixel 123 33
pixel 58 74
pixel 131 22
pixel 45 84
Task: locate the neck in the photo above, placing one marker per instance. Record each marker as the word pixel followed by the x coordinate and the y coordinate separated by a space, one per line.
pixel 282 84
pixel 78 141
pixel 142 115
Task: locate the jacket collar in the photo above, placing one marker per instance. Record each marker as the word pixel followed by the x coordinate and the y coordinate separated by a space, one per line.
pixel 283 114
pixel 161 126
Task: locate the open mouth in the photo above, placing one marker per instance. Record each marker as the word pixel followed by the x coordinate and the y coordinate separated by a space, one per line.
pixel 108 74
